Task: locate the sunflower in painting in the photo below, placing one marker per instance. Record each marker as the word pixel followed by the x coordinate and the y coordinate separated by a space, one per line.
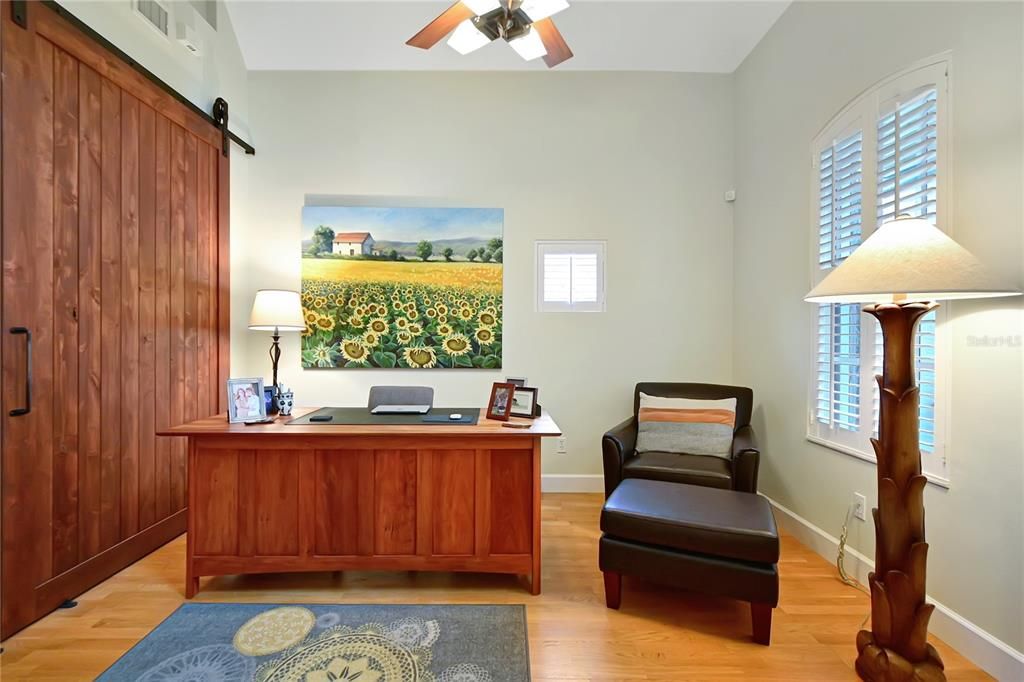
pixel 484 336
pixel 456 345
pixel 354 350
pixel 420 356
pixel 321 355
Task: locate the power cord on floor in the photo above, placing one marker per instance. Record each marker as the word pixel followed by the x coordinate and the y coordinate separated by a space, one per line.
pixel 844 577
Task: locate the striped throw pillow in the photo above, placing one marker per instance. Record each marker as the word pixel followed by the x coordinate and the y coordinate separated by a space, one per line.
pixel 685 426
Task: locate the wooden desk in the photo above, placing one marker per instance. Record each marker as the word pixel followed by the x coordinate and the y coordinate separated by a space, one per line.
pixel 278 498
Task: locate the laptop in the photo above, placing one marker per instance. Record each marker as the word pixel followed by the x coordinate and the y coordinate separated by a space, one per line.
pixel 400 409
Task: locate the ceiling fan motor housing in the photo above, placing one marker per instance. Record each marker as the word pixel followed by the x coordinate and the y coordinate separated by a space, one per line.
pixel 508 23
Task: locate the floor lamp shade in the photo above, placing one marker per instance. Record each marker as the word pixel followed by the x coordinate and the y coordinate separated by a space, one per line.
pixel 277 310
pixel 901 270
pixel 909 259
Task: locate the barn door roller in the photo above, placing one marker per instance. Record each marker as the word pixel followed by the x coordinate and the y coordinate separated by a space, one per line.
pixel 19 12
pixel 220 117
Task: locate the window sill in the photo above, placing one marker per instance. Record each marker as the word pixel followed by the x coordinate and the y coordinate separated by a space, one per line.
pixel 545 309
pixel 870 457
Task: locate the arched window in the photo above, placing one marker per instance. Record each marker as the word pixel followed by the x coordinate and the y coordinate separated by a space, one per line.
pixel 886 154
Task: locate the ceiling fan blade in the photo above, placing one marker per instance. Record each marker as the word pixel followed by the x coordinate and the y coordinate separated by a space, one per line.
pixel 442 26
pixel 558 50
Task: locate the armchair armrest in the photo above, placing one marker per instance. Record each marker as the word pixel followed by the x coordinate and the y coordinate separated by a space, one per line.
pixel 617 445
pixel 746 459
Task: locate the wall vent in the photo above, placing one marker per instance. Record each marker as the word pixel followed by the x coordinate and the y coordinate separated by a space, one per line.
pixel 155 14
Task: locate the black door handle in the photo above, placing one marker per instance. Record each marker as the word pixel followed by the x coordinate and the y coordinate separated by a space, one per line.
pixel 17 412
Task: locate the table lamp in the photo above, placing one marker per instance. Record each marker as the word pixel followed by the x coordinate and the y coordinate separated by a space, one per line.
pixel 901 270
pixel 278 311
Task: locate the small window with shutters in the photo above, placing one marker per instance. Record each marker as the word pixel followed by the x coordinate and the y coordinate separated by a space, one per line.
pixel 570 276
pixel 883 156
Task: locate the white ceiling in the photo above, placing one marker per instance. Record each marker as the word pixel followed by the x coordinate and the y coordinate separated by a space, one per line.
pixel 613 35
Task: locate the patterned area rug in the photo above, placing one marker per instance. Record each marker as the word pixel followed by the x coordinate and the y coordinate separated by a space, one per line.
pixel 332 643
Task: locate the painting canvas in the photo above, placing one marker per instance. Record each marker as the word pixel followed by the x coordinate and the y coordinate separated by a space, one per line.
pixel 414 288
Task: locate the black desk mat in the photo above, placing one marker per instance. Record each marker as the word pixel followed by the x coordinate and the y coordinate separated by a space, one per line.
pixel 352 416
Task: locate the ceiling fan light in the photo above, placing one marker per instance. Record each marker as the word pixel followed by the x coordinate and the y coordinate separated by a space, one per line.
pixel 542 9
pixel 529 45
pixel 467 37
pixel 481 7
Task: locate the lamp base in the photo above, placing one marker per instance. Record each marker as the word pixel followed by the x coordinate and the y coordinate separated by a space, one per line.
pixel 876 662
pixel 275 357
pixel 896 649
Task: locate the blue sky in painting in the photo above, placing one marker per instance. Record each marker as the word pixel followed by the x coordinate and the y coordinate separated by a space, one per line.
pixel 405 224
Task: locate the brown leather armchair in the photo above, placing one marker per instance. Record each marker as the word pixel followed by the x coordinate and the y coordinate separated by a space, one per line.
pixel 739 472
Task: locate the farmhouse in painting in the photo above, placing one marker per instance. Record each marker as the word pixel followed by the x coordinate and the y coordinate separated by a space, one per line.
pixel 353 244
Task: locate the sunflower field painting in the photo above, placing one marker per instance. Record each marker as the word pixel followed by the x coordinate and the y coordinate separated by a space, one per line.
pixel 414 288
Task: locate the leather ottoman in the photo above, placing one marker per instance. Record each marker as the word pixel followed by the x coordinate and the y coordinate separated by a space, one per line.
pixel 708 540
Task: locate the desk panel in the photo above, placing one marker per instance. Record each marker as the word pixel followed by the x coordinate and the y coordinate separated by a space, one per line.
pixel 394 490
pixel 343 486
pixel 454 501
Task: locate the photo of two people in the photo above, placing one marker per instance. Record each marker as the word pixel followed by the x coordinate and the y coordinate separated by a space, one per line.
pixel 245 400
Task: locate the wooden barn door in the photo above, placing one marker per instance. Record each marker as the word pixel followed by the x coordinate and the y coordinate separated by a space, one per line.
pixel 114 309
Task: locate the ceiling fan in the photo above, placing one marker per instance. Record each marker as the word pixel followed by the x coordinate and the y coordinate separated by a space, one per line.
pixel 524 24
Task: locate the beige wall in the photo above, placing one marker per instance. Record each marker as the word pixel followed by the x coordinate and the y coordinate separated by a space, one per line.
pixel 818 57
pixel 640 160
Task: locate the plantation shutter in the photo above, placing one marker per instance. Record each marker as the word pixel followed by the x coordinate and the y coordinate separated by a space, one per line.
pixel 838 352
pixel 584 278
pixel 907 185
pixel 557 278
pixel 570 276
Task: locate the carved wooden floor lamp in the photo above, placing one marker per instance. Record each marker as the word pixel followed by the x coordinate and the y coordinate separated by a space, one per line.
pixel 903 268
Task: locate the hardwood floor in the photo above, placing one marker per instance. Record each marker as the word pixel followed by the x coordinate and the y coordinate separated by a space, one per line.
pixel 660 633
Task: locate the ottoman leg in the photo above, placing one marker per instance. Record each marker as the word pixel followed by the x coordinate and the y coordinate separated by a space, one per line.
pixel 761 618
pixel 612 589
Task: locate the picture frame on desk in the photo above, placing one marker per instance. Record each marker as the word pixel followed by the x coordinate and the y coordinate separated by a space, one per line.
pixel 499 406
pixel 524 402
pixel 246 400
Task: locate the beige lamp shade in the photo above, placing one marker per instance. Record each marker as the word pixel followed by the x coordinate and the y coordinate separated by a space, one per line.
pixel 276 309
pixel 909 259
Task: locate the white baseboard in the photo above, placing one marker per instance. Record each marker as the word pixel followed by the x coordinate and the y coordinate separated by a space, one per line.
pixel 989 653
pixel 572 483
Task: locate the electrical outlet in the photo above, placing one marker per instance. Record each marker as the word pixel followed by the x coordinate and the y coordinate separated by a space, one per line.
pixel 561 445
pixel 860 505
